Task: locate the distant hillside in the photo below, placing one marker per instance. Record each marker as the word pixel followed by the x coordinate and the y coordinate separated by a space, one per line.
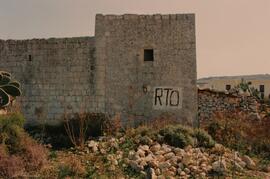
pixel 246 77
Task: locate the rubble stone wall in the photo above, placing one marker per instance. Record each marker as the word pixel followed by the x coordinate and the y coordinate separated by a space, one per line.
pixel 210 102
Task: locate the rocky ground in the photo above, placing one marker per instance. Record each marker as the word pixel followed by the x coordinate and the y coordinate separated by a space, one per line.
pixel 123 157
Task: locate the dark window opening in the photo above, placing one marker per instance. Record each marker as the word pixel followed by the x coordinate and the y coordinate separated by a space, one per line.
pixel 30 58
pixel 261 88
pixel 148 55
pixel 228 87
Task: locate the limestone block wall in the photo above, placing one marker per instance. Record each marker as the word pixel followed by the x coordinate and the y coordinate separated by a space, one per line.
pixel 127 84
pixel 57 75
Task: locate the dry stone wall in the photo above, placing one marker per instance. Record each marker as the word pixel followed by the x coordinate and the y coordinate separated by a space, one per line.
pixel 211 102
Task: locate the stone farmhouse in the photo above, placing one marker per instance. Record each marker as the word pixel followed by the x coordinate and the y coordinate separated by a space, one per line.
pixel 259 82
pixel 136 66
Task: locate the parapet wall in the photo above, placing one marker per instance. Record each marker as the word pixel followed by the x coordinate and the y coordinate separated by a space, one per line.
pixel 57 75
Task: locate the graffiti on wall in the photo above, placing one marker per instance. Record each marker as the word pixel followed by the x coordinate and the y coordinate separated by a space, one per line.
pixel 167 98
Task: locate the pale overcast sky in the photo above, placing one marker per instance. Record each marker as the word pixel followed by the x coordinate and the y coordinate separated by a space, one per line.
pixel 233 36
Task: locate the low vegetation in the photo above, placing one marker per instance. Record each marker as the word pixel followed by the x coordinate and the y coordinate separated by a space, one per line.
pixel 237 131
pixel 19 153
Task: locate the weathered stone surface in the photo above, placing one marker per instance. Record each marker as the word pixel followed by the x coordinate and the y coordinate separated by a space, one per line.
pixel 211 101
pixel 131 83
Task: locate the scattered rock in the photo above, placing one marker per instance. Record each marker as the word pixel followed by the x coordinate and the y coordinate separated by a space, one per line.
pixel 187 159
pixel 164 165
pixel 144 147
pixel 249 162
pixel 151 174
pixel 169 155
pixel 219 166
pixel 155 148
pixel 93 146
pixel 134 165
pixel 238 167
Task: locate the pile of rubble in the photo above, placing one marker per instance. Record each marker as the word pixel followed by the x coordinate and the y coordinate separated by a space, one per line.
pixel 160 160
pixel 163 160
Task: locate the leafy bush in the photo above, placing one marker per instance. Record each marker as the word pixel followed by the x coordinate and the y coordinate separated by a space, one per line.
pixel 181 136
pixel 203 138
pixel 177 136
pixel 11 130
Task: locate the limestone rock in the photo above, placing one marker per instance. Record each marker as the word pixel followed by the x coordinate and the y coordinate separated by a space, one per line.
pixel 219 166
pixel 249 162
pixel 169 155
pixel 164 165
pixel 155 148
pixel 134 165
pixel 93 146
pixel 187 159
pixel 151 174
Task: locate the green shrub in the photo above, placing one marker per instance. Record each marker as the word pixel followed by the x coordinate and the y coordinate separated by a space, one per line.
pixel 203 138
pixel 11 130
pixel 177 136
pixel 181 136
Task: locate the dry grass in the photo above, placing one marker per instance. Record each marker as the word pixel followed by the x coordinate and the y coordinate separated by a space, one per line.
pixel 237 130
pixel 35 155
pixel 10 165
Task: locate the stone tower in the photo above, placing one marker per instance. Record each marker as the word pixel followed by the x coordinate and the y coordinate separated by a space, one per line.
pixel 146 65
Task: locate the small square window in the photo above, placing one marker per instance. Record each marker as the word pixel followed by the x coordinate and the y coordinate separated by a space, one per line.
pixel 228 87
pixel 148 55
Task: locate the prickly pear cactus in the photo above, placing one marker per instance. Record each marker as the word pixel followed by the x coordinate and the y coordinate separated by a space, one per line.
pixel 9 89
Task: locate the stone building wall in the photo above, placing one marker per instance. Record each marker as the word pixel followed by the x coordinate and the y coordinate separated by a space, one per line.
pixel 57 75
pixel 128 83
